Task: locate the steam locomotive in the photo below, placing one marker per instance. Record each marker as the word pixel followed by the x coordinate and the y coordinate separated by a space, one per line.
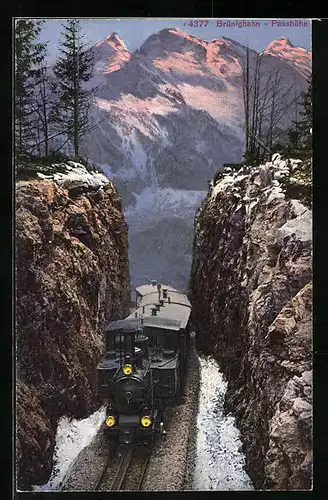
pixel 144 366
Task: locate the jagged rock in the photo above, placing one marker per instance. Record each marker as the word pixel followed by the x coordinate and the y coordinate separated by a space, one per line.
pixel 72 275
pixel 283 164
pixel 298 208
pixel 251 293
pixel 276 158
pixel 301 226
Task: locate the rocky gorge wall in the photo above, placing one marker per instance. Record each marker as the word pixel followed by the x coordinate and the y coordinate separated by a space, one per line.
pixel 251 293
pixel 71 275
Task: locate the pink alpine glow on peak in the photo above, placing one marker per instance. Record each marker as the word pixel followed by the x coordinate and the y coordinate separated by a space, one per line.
pixel 111 54
pixel 114 41
pixel 299 57
pixel 280 44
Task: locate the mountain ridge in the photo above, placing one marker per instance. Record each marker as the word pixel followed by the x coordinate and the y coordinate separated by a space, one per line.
pixel 168 116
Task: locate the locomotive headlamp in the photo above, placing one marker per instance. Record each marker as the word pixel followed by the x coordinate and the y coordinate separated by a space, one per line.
pixel 127 369
pixel 145 421
pixel 110 421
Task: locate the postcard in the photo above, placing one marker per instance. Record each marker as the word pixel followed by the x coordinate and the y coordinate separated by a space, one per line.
pixel 163 227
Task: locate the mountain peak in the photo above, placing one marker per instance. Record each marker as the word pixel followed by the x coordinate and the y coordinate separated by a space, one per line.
pixel 280 44
pixel 299 57
pixel 113 40
pixel 111 54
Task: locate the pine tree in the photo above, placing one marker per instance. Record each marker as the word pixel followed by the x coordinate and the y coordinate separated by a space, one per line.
pixel 305 124
pixel 28 53
pixel 73 68
pixel 44 106
pixel 299 134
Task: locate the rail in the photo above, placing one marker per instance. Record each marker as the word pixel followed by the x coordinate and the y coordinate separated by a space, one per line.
pixel 130 472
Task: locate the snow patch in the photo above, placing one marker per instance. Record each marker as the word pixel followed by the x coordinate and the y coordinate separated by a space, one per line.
pixel 76 175
pixel 72 436
pixel 219 463
pixel 228 180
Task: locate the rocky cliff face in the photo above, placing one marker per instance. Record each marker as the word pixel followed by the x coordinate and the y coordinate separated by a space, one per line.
pixel 72 275
pixel 251 293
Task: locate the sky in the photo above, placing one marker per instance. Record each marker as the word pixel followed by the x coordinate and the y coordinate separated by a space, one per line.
pixel 135 31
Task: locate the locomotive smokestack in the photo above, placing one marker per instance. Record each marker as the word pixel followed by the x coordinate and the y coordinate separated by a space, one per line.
pixel 129 344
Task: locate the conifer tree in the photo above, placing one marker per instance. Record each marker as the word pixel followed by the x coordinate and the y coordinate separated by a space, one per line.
pixel 73 69
pixel 28 53
pixel 305 124
pixel 300 137
pixel 43 106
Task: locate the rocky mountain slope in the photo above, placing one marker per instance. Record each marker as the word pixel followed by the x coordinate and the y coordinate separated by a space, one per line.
pixel 168 115
pixel 72 275
pixel 173 109
pixel 251 292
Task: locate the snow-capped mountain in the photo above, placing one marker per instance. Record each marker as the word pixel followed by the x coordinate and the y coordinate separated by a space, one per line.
pixel 297 57
pixel 110 54
pixel 171 113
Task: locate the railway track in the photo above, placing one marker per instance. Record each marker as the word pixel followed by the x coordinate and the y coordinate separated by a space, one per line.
pixel 125 468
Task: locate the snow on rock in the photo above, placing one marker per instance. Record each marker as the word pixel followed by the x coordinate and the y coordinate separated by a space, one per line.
pixel 280 175
pixel 298 207
pixel 300 226
pixel 219 461
pixel 72 436
pixel 274 193
pixel 276 158
pixel 76 176
pixel 251 296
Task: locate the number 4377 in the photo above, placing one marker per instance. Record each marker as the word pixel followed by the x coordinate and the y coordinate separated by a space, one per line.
pixel 197 24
